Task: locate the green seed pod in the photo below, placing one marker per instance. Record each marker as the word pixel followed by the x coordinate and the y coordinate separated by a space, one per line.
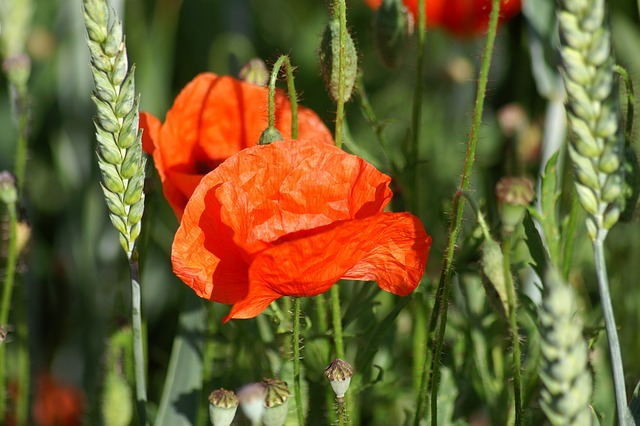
pixel 276 402
pixel 223 405
pixel 392 27
pixel 270 135
pixel 631 185
pixel 330 61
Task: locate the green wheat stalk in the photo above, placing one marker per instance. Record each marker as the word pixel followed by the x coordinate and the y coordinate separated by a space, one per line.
pixel 596 147
pixel 565 373
pixel 119 152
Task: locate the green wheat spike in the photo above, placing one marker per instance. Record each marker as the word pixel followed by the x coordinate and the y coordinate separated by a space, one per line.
pixel 119 139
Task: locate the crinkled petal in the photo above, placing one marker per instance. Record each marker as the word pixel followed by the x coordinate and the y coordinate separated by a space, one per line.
pixel 390 248
pixel 204 255
pixel 289 186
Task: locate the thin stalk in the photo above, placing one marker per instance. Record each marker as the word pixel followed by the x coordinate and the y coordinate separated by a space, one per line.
pixel 336 314
pixel 612 333
pixel 293 98
pixel 296 360
pixel 22 408
pixel 513 325
pixel 323 328
pixel 439 313
pixel 12 258
pixel 341 7
pixel 23 137
pixel 138 344
pixel 569 236
pixel 416 114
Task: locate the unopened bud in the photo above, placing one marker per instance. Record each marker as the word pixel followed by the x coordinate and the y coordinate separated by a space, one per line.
pixel 330 61
pixel 270 135
pixel 251 399
pixel 276 402
pixel 8 192
pixel 339 373
pixel 255 72
pixel 222 407
pixel 392 27
pixel 514 195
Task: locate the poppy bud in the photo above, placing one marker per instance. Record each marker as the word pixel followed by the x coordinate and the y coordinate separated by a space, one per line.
pixel 514 195
pixel 222 407
pixel 255 72
pixel 631 185
pixel 276 402
pixel 8 192
pixel 392 27
pixel 18 69
pixel 251 399
pixel 330 60
pixel 339 373
pixel 270 135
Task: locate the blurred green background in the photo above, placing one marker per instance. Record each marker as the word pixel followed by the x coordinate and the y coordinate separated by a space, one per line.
pixel 74 277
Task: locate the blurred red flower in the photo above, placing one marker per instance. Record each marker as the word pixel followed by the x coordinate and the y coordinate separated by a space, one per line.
pixel 213 118
pixel 291 219
pixel 459 17
pixel 57 404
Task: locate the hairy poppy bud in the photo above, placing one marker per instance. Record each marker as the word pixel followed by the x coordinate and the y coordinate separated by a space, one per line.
pixel 631 185
pixel 255 72
pixel 270 135
pixel 392 27
pixel 330 60
pixel 339 373
pixel 276 402
pixel 514 195
pixel 222 407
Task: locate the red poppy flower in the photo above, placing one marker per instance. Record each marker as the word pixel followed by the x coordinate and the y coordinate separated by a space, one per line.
pixel 57 404
pixel 291 219
pixel 459 17
pixel 213 118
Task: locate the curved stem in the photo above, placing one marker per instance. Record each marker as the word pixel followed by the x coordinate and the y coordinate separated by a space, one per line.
pixel 439 313
pixel 513 324
pixel 138 339
pixel 293 97
pixel 296 360
pixel 341 7
pixel 612 333
pixel 12 258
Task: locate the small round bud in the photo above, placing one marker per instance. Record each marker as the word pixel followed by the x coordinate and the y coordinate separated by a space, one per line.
pixel 392 27
pixel 339 373
pixel 8 191
pixel 251 399
pixel 222 407
pixel 270 135
pixel 514 195
pixel 276 402
pixel 330 61
pixel 255 72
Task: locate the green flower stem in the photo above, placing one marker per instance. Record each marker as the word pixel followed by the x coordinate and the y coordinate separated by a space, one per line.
pixel 336 313
pixel 439 313
pixel 612 333
pixel 513 324
pixel 138 339
pixel 296 360
pixel 12 258
pixel 23 136
pixel 417 97
pixel 293 98
pixel 340 7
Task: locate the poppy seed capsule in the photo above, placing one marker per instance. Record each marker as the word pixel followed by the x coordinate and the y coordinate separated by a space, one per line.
pixel 330 61
pixel 392 27
pixel 514 195
pixel 222 407
pixel 276 402
pixel 339 373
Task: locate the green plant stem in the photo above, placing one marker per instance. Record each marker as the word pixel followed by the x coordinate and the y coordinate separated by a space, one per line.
pixel 612 333
pixel 341 7
pixel 336 314
pixel 12 259
pixel 293 97
pixel 296 360
pixel 23 136
pixel 138 344
pixel 569 235
pixel 416 114
pixel 513 324
pixel 439 314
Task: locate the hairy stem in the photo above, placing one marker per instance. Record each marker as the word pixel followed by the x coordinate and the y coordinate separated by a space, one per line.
pixel 293 98
pixel 340 7
pixel 12 258
pixel 513 325
pixel 296 360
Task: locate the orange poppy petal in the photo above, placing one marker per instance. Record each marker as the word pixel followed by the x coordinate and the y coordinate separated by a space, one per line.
pixel 204 255
pixel 266 190
pixel 391 248
pixel 150 126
